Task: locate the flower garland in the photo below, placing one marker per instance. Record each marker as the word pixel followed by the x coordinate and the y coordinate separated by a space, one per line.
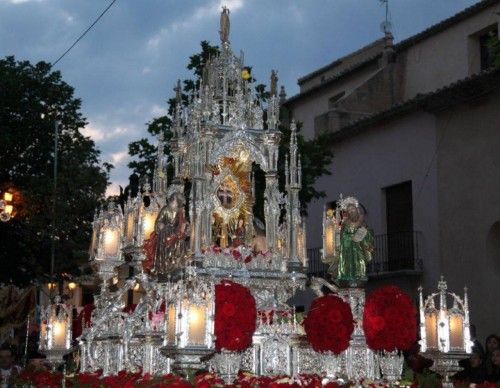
pixel 329 324
pixel 235 316
pixel 389 319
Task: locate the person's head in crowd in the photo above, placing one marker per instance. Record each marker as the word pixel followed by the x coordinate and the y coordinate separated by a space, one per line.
pixel 37 361
pixel 6 357
pixel 492 342
pixel 476 359
pixel 495 358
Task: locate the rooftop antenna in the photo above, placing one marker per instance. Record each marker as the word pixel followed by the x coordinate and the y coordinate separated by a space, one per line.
pixel 386 25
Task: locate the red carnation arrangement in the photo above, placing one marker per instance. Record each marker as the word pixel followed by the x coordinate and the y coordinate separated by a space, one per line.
pixel 389 320
pixel 329 324
pixel 235 316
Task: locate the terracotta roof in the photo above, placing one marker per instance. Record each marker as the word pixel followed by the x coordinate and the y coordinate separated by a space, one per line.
pixel 467 89
pixel 446 23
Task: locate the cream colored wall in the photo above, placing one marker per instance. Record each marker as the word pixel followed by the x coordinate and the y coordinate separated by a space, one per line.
pixel 386 155
pixel 430 64
pixel 469 204
pixel 453 208
pixel 346 62
pixel 444 57
pixel 307 108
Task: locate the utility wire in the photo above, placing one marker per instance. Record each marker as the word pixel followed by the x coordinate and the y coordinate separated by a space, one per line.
pixel 84 33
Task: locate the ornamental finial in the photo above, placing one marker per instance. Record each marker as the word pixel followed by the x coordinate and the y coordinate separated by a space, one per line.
pixel 274 83
pixel 442 286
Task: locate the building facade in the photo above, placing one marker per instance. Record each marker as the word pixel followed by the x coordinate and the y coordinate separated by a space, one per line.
pixel 415 132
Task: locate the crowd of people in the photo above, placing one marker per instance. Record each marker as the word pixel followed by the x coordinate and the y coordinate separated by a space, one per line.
pixel 483 363
pixel 10 364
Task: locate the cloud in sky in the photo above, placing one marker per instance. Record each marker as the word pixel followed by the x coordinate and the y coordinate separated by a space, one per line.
pixel 125 68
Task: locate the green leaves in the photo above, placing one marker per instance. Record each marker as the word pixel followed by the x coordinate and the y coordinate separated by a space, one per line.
pixel 26 165
pixel 197 61
pixel 143 151
pixel 494 48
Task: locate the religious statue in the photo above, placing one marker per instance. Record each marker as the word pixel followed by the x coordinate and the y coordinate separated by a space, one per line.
pixel 274 83
pixel 238 236
pixel 224 25
pixel 167 246
pixel 259 243
pixel 356 244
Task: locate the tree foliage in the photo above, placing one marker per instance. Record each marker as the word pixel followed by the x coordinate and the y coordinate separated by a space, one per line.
pixel 143 151
pixel 316 155
pixel 28 91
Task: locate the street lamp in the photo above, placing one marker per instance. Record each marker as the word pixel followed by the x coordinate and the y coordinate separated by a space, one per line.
pixel 6 207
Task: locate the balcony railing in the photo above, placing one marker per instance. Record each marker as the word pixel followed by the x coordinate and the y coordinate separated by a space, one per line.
pixel 393 252
pixel 315 266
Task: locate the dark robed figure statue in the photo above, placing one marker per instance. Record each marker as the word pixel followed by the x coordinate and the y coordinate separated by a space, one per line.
pixel 167 245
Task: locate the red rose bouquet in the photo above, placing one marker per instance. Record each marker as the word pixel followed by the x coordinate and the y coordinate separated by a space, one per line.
pixel 389 319
pixel 329 324
pixel 235 316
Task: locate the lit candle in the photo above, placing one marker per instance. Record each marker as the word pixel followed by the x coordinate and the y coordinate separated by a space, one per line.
pixel 172 318
pixel 431 330
pixel 130 227
pixel 329 241
pixel 196 325
pixel 43 335
pixel 456 331
pixel 93 243
pixel 8 197
pixel 300 245
pixel 329 234
pixel 111 242
pixel 148 225
pixel 59 334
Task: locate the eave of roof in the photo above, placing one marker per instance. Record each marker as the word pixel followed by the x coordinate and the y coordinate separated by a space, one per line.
pixel 444 24
pixel 335 78
pixel 401 46
pixel 467 89
pixel 338 61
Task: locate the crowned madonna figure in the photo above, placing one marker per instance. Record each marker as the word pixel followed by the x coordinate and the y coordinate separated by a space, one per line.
pixel 356 244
